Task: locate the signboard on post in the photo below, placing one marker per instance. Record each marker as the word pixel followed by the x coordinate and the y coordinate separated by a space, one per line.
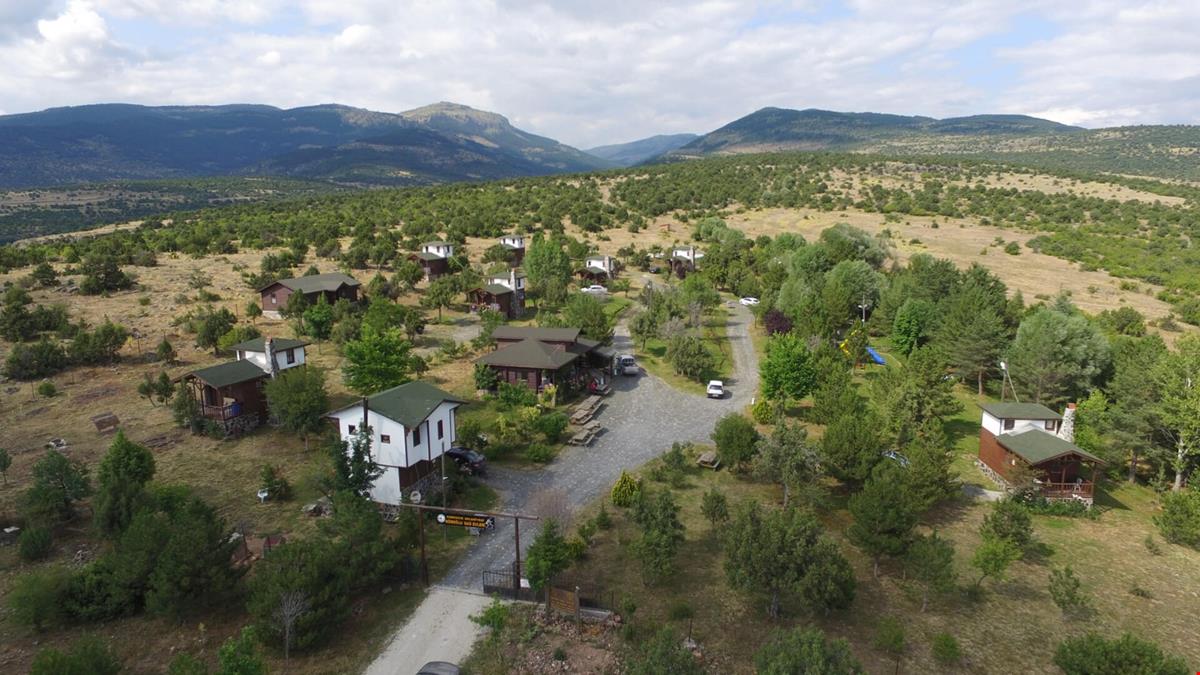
pixel 462 520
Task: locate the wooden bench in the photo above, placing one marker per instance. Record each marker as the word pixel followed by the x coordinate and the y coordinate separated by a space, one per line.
pixel 709 460
pixel 106 423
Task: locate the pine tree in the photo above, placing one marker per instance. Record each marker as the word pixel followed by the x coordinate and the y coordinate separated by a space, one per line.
pixel 883 516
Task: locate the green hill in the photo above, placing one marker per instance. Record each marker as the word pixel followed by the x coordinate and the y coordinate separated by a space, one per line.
pixel 636 152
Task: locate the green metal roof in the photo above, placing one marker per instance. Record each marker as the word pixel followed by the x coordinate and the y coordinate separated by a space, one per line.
pixel 425 255
pixel 1020 411
pixel 1036 446
pixel 529 353
pixel 225 374
pixel 496 289
pixel 256 345
pixel 316 282
pixel 536 333
pixel 410 403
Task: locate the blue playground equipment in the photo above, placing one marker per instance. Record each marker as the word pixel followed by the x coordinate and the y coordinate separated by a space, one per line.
pixel 875 357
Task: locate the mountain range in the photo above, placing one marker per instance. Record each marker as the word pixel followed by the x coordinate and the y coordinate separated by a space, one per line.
pixel 437 143
pixel 351 147
pixel 636 152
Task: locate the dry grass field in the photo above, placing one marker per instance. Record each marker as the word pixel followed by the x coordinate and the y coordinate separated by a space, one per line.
pixel 223 473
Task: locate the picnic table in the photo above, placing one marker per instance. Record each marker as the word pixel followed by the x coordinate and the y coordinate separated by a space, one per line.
pixel 106 423
pixel 586 410
pixel 709 460
pixel 587 434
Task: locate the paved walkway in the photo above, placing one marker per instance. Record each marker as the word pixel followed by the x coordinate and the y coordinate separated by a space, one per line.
pixel 642 418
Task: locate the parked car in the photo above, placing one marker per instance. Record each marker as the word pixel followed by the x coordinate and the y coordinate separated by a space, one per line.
pixel 626 365
pixel 716 389
pixel 595 289
pixel 468 460
pixel 748 301
pixel 439 668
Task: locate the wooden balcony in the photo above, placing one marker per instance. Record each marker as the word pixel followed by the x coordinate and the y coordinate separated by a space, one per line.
pixel 1082 490
pixel 221 412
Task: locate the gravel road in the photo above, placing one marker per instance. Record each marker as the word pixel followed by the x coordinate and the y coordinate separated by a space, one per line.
pixel 642 418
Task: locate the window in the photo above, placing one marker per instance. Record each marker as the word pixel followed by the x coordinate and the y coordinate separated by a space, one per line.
pixel 291 356
pixel 351 429
pixel 273 300
pixel 385 438
pixel 439 430
pixel 417 436
pixel 1050 425
pixel 1008 424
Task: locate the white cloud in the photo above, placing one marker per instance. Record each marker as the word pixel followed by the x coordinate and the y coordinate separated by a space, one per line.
pixel 591 73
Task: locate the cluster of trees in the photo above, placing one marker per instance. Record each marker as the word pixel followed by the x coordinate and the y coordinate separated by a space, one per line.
pixel 676 316
pixel 75 344
pixel 170 555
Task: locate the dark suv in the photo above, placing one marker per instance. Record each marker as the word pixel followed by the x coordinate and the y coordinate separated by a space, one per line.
pixel 468 460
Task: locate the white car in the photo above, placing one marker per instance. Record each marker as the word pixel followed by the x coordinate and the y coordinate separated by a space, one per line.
pixel 749 302
pixel 595 289
pixel 716 389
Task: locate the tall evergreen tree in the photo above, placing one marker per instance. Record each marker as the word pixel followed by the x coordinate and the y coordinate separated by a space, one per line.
pixel 972 334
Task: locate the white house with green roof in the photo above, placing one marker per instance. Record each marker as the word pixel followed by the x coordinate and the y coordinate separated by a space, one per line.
pixel 284 353
pixel 412 426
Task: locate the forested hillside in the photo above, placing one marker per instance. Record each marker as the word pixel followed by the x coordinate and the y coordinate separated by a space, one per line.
pixel 1162 151
pixel 1147 239
pixel 63 146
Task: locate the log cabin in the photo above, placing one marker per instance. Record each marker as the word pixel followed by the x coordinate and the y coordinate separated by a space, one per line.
pixel 333 286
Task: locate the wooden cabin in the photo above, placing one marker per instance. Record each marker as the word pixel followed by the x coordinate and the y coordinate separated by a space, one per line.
pixel 598 269
pixel 515 244
pixel 1018 436
pixel 502 292
pixel 536 357
pixel 683 260
pixel 333 286
pixel 434 258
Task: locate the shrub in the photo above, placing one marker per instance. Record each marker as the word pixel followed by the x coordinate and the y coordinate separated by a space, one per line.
pixel 539 453
pixel 31 361
pixel 35 543
pixel 1066 590
pixel 1008 520
pixel 47 389
pixel 552 426
pixel 576 548
pixel 88 656
pixel 680 610
pixel 945 649
pixel 1012 248
pixel 511 396
pixel 58 483
pixel 1092 654
pixel 625 491
pixel 805 651
pixel 38 599
pixel 275 484
pixel 602 519
pixel 494 616
pixel 735 437
pixel 1179 522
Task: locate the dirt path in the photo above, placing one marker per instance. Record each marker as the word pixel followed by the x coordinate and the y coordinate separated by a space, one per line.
pixel 440 630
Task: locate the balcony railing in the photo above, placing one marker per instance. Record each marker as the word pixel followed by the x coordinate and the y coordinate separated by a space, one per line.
pixel 221 412
pixel 1067 490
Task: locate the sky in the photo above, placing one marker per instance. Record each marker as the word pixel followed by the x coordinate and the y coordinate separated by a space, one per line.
pixel 589 73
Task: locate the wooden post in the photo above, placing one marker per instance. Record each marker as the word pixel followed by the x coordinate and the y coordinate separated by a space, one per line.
pixel 424 562
pixel 517 562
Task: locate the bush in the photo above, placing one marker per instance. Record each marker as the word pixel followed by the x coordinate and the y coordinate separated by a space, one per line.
pixel 552 426
pixel 945 649
pixel 576 548
pixel 485 377
pixel 602 519
pixel 539 453
pixel 625 491
pixel 35 543
pixel 680 610
pixel 88 656
pixel 38 599
pixel 47 389
pixel 32 361
pixel 1008 520
pixel 735 437
pixel 1179 522
pixel 511 396
pixel 1067 591
pixel 1012 248
pixel 275 484
pixel 1091 654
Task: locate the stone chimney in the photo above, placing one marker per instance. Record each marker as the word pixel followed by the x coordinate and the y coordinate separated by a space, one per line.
pixel 272 365
pixel 512 279
pixel 1066 430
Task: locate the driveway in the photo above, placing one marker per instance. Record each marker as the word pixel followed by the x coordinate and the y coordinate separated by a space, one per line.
pixel 642 418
